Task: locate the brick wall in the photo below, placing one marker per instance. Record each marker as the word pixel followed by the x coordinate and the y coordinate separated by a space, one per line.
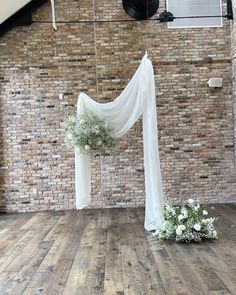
pixel 233 48
pixel 195 122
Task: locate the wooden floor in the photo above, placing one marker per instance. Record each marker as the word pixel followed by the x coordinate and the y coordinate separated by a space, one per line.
pixel 108 252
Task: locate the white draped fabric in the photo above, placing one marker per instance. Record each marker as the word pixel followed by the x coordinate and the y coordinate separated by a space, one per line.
pixel 138 98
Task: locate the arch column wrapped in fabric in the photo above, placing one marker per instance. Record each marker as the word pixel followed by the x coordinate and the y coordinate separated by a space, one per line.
pixel 138 98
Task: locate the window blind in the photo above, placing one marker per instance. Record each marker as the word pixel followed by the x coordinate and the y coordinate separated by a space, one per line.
pixel 188 8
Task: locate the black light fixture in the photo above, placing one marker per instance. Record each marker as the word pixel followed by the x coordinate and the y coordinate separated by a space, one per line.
pixel 166 17
pixel 230 14
pixel 140 9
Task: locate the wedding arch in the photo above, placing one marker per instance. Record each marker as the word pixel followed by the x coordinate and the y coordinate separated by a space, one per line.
pixel 138 98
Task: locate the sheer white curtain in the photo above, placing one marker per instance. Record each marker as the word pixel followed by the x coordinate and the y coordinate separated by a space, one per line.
pixel 138 98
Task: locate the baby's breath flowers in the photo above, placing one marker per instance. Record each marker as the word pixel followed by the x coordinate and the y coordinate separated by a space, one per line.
pixel 187 223
pixel 89 133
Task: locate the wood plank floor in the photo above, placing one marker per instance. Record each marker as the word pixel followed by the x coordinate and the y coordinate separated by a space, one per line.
pixel 108 252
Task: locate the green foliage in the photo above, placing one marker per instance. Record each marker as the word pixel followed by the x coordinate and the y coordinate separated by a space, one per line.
pixel 89 133
pixel 187 223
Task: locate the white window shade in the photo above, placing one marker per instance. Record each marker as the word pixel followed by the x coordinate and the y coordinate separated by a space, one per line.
pixel 194 8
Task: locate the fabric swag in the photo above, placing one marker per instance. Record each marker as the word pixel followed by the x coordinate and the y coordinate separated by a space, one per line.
pixel 138 98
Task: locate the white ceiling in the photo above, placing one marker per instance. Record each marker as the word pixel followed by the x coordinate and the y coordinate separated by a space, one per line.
pixel 9 7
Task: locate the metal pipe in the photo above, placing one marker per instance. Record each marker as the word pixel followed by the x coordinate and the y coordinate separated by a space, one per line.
pixel 230 14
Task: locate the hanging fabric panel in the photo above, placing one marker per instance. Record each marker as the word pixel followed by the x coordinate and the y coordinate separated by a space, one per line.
pixel 138 98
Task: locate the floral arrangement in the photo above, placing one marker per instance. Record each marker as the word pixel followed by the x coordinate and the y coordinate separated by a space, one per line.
pixel 89 133
pixel 186 224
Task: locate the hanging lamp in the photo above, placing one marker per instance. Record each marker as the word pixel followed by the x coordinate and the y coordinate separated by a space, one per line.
pixel 140 9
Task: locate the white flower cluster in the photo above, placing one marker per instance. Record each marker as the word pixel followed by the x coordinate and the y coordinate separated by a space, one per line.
pixel 89 133
pixel 187 223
